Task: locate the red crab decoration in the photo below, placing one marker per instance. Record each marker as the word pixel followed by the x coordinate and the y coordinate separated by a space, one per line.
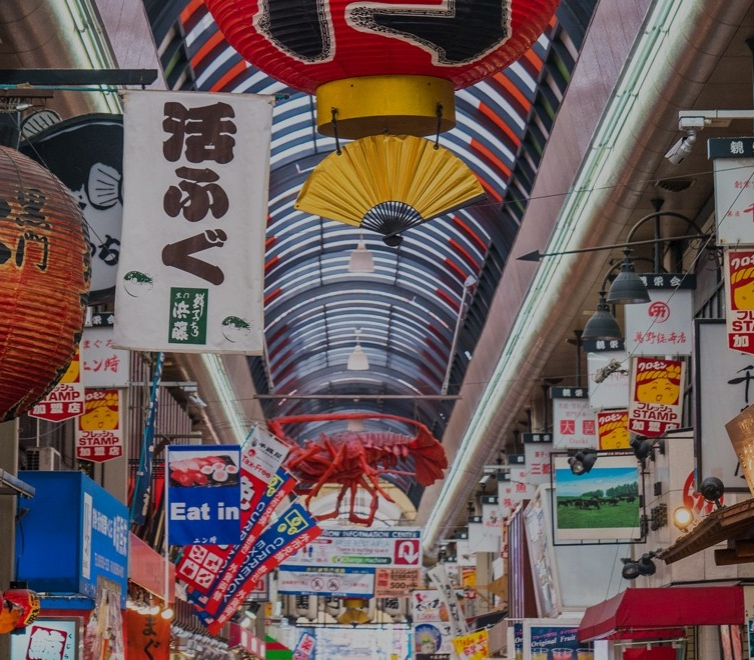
pixel 359 459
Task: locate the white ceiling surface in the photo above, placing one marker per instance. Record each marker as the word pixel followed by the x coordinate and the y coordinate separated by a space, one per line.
pixel 698 60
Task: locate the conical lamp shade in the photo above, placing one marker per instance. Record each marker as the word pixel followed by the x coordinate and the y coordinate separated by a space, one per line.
pixel 358 360
pixel 389 183
pixel 361 260
pixel 602 324
pixel 628 288
pixel 353 614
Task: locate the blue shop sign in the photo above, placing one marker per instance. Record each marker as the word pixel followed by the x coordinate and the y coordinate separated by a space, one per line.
pixel 72 534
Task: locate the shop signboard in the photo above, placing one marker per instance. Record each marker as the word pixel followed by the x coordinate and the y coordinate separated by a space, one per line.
pixel 350 546
pixel 474 646
pixel 91 532
pixel 723 382
pixel 739 299
pixel 66 399
pixel 103 365
pixel 733 165
pixel 656 402
pixel 573 424
pixel 396 582
pixel 203 494
pixel 612 429
pixel 57 638
pixel 553 640
pixel 544 574
pixel 86 154
pixel 663 326
pixel 99 431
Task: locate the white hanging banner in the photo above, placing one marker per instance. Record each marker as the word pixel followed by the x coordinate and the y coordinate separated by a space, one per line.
pixel 439 577
pixel 191 270
pixel 608 379
pixel 734 189
pixel 662 326
pixel 573 423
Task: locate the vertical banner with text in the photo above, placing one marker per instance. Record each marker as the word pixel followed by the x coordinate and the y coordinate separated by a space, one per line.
pixel 195 211
pixel 656 403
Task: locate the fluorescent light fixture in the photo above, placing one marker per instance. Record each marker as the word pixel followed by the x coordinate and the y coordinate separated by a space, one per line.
pixel 358 360
pixel 361 260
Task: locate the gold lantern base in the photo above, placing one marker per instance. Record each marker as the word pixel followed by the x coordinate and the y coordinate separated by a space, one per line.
pixel 396 105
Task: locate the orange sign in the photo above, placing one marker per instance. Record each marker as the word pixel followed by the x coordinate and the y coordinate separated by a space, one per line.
pixel 612 429
pixel 148 636
pixel 656 404
pixel 396 582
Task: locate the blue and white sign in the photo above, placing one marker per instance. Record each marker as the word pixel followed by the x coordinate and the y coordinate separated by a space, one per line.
pixel 86 527
pixel 338 582
pixel 204 495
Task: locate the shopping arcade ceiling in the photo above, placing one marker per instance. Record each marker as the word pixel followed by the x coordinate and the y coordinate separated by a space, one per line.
pixel 406 311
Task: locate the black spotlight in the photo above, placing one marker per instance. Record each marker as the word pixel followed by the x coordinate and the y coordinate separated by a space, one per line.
pixel 582 461
pixel 712 490
pixel 644 566
pixel 643 449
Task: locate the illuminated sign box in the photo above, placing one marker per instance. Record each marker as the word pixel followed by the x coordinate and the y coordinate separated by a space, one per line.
pixel 82 524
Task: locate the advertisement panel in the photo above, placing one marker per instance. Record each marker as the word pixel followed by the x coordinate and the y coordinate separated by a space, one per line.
pixel 734 195
pixel 656 402
pixel 99 431
pixel 608 379
pixel 396 582
pixel 603 504
pixel 56 638
pixel 553 640
pixel 203 494
pixel 739 299
pixel 66 399
pixel 612 429
pixel 544 574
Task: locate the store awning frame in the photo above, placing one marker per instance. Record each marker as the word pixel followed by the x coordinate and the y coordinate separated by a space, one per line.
pixel 662 612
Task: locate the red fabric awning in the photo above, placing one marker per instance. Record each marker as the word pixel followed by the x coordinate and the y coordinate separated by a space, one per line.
pixel 656 613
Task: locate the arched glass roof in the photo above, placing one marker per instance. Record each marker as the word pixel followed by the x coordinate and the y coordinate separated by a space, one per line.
pixel 408 312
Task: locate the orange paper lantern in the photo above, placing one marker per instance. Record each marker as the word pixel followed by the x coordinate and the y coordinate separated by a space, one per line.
pixel 45 270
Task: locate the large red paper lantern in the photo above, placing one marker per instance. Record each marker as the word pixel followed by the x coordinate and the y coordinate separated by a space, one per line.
pixel 382 67
pixel 45 271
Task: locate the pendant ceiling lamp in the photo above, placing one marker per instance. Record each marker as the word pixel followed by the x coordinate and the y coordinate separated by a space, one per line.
pixel 389 183
pixel 381 68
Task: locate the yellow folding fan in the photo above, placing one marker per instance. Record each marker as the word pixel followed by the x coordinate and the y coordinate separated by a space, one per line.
pixel 389 183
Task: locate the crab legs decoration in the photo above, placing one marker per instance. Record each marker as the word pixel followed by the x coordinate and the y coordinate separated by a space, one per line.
pixel 358 459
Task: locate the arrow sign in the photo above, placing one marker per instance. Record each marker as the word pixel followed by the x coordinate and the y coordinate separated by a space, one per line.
pixel 407 552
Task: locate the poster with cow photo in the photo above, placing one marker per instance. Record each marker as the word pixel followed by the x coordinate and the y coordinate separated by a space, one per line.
pixel 599 505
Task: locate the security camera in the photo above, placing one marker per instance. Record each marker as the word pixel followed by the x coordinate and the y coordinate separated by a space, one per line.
pixel 678 152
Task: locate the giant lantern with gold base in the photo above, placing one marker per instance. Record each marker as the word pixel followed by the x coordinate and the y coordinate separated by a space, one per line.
pixel 45 271
pixel 382 70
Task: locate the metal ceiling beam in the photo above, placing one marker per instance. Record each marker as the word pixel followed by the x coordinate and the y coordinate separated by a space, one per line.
pixel 63 77
pixel 358 397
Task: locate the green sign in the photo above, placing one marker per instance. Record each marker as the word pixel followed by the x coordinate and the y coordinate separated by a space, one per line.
pixel 188 316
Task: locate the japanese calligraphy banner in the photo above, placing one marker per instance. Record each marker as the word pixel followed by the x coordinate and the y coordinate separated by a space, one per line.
pixel 656 403
pixel 103 365
pixel 337 582
pixel 662 326
pixel 293 530
pixel 99 431
pixel 191 270
pixel 739 299
pixel 573 425
pixel 148 636
pixel 439 577
pixel 203 494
